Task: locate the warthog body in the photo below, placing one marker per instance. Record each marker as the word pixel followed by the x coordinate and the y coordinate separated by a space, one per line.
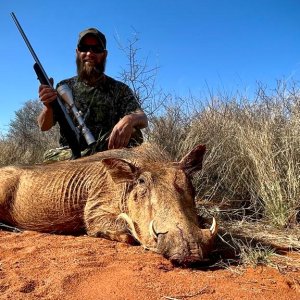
pixel 124 195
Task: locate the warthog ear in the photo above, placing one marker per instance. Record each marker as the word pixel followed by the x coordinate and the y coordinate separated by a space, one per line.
pixel 192 162
pixel 120 170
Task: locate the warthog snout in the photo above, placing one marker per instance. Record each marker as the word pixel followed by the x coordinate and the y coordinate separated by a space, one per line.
pixel 183 244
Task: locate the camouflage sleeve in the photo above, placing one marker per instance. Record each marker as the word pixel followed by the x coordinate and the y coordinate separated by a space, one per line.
pixel 127 102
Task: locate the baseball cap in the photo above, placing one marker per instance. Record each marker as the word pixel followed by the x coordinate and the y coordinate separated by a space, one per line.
pixel 96 33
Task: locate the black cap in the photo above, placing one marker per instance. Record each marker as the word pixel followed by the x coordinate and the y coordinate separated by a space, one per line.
pixel 94 32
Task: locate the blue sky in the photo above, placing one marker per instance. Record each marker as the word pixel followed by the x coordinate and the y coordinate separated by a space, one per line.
pixel 197 44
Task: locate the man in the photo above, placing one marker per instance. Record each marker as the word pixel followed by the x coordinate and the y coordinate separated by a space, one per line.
pixel 109 108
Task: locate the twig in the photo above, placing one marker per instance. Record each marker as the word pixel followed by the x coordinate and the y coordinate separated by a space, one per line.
pixel 201 292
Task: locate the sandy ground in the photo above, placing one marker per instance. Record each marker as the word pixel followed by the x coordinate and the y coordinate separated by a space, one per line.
pixel 47 266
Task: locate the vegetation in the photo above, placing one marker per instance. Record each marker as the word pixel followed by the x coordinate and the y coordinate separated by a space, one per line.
pixel 252 166
pixel 253 158
pixel 24 143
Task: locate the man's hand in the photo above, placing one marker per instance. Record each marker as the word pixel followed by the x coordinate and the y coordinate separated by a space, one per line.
pixel 47 94
pixel 124 129
pixel 121 133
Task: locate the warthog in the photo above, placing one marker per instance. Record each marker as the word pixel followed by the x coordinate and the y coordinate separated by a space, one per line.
pixel 124 195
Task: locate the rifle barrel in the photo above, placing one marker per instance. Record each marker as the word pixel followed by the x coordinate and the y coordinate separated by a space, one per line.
pixel 30 47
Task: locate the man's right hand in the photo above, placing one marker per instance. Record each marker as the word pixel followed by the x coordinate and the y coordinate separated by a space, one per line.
pixel 47 94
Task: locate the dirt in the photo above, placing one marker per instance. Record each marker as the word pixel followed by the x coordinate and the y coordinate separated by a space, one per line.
pixel 47 266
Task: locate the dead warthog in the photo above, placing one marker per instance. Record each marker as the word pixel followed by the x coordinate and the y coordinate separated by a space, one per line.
pixel 124 195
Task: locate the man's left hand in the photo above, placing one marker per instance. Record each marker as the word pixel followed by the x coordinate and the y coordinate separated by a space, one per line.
pixel 121 133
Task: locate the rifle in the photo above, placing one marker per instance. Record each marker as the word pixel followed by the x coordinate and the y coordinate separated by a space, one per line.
pixel 67 127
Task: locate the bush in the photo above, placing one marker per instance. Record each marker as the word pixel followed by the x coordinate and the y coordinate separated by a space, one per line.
pixel 25 143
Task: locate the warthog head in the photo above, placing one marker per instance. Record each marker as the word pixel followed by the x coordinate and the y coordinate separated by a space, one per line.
pixel 159 206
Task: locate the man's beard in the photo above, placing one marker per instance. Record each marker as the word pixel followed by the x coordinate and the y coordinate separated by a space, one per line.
pixel 90 73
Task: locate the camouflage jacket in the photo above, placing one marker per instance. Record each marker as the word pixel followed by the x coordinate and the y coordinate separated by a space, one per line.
pixel 102 106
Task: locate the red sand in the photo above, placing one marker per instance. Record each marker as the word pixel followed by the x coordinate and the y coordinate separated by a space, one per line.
pixel 45 266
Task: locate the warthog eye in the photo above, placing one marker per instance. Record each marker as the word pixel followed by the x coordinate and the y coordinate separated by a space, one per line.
pixel 141 180
pixel 142 185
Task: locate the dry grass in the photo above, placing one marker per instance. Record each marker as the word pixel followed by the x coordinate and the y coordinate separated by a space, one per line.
pixel 253 158
pixel 257 244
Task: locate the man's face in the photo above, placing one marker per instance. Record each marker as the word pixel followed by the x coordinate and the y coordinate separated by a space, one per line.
pixel 90 60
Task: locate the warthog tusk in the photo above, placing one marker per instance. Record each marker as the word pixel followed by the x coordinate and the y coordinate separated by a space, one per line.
pixel 152 231
pixel 213 228
pixel 130 223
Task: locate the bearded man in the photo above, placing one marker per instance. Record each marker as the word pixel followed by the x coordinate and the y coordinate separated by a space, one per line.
pixel 110 109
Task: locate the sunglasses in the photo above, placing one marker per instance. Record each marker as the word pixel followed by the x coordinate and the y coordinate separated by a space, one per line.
pixel 90 48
